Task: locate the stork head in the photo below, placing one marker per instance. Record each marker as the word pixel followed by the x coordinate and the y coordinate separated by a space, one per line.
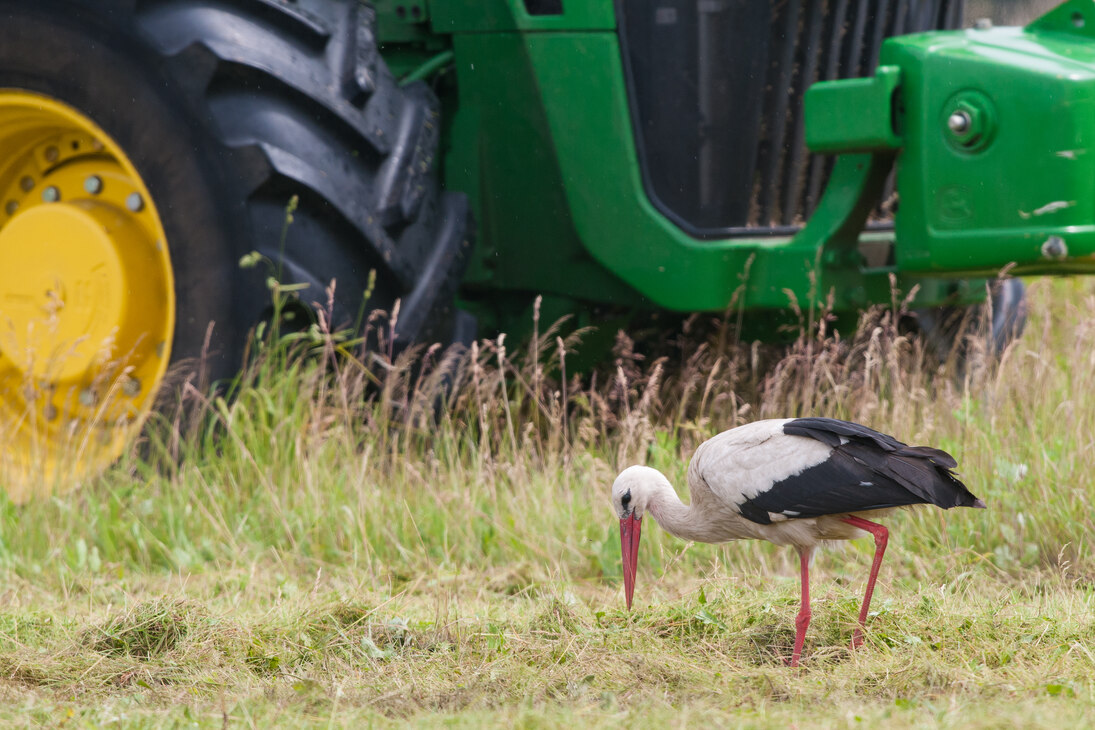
pixel 631 494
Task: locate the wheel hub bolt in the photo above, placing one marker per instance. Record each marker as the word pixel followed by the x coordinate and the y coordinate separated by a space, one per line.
pixel 131 387
pixel 11 207
pixel 1054 248
pixel 51 194
pixel 959 122
pixel 27 183
pixel 93 184
pixel 134 202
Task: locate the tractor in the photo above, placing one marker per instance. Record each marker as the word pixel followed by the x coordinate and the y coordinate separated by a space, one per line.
pixel 464 157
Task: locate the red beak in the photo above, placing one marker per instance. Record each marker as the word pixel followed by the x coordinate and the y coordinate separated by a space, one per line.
pixel 629 548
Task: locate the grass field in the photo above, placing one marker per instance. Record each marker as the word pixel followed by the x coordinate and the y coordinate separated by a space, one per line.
pixel 306 555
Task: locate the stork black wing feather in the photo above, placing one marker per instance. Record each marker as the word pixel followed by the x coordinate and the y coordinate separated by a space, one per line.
pixel 841 483
pixel 830 431
pixel 865 470
pixel 940 457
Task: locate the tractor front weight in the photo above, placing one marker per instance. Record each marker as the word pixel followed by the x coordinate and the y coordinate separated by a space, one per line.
pixel 992 130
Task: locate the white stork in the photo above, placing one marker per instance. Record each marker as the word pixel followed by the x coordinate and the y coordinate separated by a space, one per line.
pixel 791 482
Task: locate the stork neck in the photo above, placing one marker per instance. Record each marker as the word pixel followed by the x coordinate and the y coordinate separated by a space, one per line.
pixel 675 517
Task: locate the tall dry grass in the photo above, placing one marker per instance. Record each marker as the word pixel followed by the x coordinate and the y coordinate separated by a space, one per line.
pixel 329 451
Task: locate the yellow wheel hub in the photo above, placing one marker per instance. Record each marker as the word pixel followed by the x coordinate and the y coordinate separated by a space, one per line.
pixel 87 306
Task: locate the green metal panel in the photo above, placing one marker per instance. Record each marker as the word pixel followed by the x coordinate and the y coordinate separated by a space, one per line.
pixel 621 229
pixel 829 126
pixel 1031 175
pixel 503 157
pixel 477 16
pixel 403 21
pixel 603 184
pixel 997 137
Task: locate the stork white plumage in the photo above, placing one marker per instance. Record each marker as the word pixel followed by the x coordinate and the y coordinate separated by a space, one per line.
pixel 791 482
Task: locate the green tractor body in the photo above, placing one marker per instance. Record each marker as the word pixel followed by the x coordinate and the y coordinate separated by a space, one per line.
pixel 463 157
pixel 542 136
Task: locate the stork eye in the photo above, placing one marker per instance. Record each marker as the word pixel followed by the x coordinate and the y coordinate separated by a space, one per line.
pixel 626 499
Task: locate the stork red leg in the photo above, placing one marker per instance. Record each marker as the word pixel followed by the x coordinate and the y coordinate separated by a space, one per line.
pixel 881 537
pixel 802 621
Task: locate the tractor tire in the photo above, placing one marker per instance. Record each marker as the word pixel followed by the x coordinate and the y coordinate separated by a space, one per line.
pixel 945 328
pixel 212 116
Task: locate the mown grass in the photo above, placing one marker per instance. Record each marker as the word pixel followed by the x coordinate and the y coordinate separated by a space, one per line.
pixel 353 541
